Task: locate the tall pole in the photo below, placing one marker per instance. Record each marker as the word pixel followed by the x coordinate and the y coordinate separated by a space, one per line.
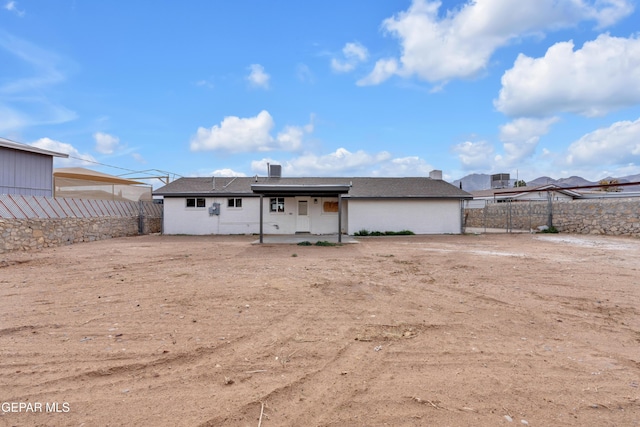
pixel 339 218
pixel 261 217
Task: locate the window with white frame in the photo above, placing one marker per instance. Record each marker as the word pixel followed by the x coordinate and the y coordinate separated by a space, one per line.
pixel 234 203
pixel 196 202
pixel 276 204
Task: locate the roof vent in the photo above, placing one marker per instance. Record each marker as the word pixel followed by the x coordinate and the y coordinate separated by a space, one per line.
pixel 275 171
pixel 436 174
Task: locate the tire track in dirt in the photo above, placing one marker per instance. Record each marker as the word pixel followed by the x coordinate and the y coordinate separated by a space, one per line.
pixel 489 334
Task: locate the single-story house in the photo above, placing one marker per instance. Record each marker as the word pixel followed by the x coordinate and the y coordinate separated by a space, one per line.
pixel 279 205
pixel 25 169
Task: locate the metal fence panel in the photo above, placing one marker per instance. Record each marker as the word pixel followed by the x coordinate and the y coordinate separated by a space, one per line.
pixel 22 207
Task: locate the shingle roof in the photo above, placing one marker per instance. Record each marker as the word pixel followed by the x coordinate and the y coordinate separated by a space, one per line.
pixel 361 187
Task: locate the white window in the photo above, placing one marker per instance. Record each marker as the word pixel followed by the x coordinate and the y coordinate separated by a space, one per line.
pixel 276 204
pixel 234 203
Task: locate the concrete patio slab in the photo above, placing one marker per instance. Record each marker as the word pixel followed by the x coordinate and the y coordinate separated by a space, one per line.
pixel 297 238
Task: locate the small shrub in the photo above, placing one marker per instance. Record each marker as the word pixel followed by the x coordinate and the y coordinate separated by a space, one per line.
pixel 325 243
pixel 405 233
pixel 305 243
pixel 294 255
pixel 551 229
pixel 364 232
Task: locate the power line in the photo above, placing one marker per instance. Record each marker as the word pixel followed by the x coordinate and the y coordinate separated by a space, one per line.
pixel 101 164
pixel 121 168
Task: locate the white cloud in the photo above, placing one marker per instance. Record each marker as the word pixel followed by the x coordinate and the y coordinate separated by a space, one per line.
pixel 238 135
pixel 383 69
pixel 475 155
pixel 138 158
pixel 404 166
pixel 226 172
pixel 459 43
pixel 76 158
pixel 290 139
pixel 618 144
pixel 521 136
pixel 235 134
pixel 339 163
pixel 205 83
pixel 45 65
pixel 12 6
pixel 609 12
pixel 304 74
pixel 354 53
pixel 105 143
pixel 11 119
pixel 343 162
pixel 23 100
pixel 602 76
pixel 257 77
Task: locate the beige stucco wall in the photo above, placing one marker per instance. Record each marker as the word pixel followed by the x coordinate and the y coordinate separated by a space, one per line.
pixel 420 216
pixel 178 219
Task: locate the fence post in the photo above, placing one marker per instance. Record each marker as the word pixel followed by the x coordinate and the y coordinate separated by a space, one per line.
pixel 140 217
pixel 549 210
pixel 484 216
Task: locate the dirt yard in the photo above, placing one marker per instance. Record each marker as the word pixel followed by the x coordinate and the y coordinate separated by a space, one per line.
pixel 472 330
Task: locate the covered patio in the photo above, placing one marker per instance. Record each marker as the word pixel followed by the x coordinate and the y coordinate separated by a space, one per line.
pixel 302 190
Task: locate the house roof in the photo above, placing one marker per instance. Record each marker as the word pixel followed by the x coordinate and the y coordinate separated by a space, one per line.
pixel 513 193
pixel 359 187
pixel 7 143
pixel 300 189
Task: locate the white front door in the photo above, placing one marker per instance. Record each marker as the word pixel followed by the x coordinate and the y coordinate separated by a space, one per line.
pixel 302 219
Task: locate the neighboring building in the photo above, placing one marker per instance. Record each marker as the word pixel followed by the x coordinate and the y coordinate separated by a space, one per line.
pixel 522 194
pixel 82 183
pixel 609 195
pixel 25 169
pixel 217 205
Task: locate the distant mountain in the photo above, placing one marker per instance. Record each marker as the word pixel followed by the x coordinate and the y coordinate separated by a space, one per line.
pixel 543 180
pixel 473 182
pixel 631 178
pixel 481 181
pixel 572 181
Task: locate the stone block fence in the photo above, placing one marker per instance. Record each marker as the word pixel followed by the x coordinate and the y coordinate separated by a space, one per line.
pixel 31 222
pixel 620 216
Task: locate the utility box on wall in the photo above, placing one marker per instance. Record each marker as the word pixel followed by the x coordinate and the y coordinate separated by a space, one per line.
pixel 214 209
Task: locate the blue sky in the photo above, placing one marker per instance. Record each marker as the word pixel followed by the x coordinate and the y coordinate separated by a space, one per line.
pixel 326 88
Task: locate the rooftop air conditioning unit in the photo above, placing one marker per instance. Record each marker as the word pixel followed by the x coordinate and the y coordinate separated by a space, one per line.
pixel 275 171
pixel 500 180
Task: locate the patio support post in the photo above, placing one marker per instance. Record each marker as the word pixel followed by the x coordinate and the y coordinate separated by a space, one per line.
pixel 261 216
pixel 339 218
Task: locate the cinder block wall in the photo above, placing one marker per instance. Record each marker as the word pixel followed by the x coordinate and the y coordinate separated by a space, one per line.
pixel 595 216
